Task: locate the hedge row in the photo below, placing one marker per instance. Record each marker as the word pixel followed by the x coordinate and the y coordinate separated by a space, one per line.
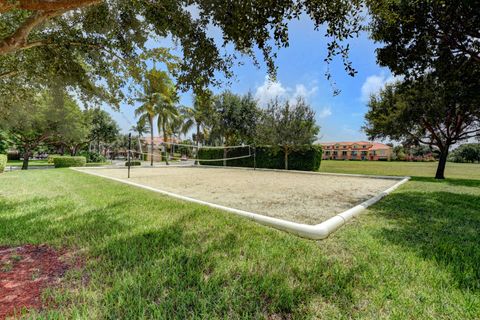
pixel 133 163
pixel 51 157
pixel 66 161
pixel 307 158
pixel 3 162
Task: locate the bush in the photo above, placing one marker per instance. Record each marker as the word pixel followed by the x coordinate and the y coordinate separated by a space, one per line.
pixel 3 162
pixel 133 163
pixel 306 159
pixel 66 161
pixel 51 157
pixel 93 157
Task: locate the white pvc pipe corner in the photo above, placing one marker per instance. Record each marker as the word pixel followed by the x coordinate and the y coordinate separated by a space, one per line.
pixel 316 232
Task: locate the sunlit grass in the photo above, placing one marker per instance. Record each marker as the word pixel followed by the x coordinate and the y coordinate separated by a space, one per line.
pixel 401 168
pixel 413 255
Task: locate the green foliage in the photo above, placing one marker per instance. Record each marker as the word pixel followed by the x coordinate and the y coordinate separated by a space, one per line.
pixel 306 158
pixel 103 129
pixel 428 111
pixel 419 37
pixel 67 161
pixel 3 162
pixel 234 119
pixel 51 157
pixel 287 126
pixel 4 142
pixel 133 163
pixel 100 47
pixel 469 152
pixel 93 156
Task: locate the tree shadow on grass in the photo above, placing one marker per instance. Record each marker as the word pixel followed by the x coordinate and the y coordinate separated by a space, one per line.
pixel 475 183
pixel 44 220
pixel 188 269
pixel 440 226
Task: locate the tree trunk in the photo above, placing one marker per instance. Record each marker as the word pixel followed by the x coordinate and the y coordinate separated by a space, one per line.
pixel 26 156
pixel 165 143
pixel 440 174
pixel 151 142
pixel 224 152
pixel 198 143
pixel 286 158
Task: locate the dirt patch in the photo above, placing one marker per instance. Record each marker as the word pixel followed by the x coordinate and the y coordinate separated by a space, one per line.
pixel 25 272
pixel 300 197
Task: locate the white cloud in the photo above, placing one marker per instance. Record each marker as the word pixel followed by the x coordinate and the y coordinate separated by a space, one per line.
pixel 270 90
pixel 373 84
pixel 325 112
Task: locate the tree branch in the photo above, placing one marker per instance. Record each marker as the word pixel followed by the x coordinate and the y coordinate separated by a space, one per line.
pixel 45 5
pixel 42 11
pixel 18 40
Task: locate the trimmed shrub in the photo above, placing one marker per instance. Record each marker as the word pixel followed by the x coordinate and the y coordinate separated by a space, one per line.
pixel 133 163
pixel 51 157
pixel 67 161
pixel 3 162
pixel 93 156
pixel 307 158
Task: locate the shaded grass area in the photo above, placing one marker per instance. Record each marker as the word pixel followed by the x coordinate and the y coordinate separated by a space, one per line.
pixel 413 255
pixel 44 163
pixel 401 168
pixel 19 163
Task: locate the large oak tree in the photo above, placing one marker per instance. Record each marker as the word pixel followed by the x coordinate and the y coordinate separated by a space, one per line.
pixel 96 46
pixel 428 111
pixel 423 36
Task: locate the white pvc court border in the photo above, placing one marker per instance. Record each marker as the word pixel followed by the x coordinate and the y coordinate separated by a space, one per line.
pixel 315 232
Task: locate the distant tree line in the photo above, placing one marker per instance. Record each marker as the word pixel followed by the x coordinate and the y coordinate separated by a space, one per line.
pixel 52 122
pixel 466 153
pixel 225 119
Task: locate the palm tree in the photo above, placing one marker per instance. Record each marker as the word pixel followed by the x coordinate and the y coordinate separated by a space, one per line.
pixel 202 112
pixel 156 89
pixel 140 128
pixel 168 114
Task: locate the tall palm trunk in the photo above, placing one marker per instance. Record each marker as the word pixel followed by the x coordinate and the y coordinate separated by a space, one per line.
pixel 198 143
pixel 150 118
pixel 165 141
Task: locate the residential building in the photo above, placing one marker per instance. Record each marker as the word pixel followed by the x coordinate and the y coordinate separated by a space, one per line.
pixel 357 150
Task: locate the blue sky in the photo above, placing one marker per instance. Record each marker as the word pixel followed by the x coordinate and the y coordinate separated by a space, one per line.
pixel 301 71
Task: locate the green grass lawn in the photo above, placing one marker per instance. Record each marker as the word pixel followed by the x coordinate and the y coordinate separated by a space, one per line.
pixel 413 255
pixel 42 163
pixel 401 168
pixel 19 163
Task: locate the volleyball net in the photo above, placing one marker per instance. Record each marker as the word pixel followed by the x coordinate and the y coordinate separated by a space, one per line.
pixel 178 152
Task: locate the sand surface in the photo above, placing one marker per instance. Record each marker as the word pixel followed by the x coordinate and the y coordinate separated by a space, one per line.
pixel 303 198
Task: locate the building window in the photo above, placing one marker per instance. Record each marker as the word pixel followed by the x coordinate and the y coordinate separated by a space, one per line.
pixel 364 147
pixel 344 153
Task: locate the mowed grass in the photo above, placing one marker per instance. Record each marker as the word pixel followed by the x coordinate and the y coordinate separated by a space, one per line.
pixel 414 255
pixel 19 163
pixel 401 168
